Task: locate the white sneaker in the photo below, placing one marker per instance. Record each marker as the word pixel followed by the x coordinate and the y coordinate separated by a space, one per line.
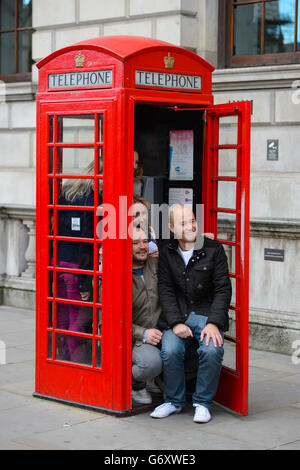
pixel 141 397
pixel 164 410
pixel 202 414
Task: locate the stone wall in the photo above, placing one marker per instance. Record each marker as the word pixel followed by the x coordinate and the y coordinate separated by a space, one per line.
pixel 17 256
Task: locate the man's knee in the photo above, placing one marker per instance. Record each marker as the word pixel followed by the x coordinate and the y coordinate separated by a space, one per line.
pixel 147 363
pixel 172 347
pixel 211 353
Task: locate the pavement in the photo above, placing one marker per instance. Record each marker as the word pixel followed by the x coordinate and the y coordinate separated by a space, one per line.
pixel 30 423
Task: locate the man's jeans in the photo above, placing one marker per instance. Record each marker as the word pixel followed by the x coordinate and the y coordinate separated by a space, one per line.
pixel 210 362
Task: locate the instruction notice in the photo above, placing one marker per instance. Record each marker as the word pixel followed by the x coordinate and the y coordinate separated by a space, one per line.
pixel 181 196
pixel 181 155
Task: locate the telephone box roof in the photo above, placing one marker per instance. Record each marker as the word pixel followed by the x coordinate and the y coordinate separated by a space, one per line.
pixel 125 47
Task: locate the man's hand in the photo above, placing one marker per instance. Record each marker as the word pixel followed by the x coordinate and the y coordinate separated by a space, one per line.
pixel 182 331
pixel 153 336
pixel 154 254
pixel 209 235
pixel 212 332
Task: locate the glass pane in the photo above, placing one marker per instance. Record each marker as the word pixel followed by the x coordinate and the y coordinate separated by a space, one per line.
pixel 51 160
pixel 100 223
pixel 227 194
pixel 76 192
pixel 51 122
pixel 51 190
pixel 229 359
pixel 228 130
pixel 50 261
pixel 247 29
pixel 226 227
pixel 98 354
pixel 232 324
pixel 71 286
pixel 49 345
pixel 24 13
pixel 7 14
pixel 50 284
pixel 100 161
pixel 75 160
pixel 75 255
pixel 100 192
pixel 76 129
pixel 76 223
pixel 99 321
pixel 50 314
pixel 279 26
pixel 233 297
pixel 100 127
pixel 74 349
pixel 51 221
pixel 7 53
pixel 100 252
pixel 227 163
pixel 74 318
pixel 99 290
pixel 24 51
pixel 229 251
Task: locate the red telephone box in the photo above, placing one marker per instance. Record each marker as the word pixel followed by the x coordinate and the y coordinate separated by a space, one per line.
pixel 95 99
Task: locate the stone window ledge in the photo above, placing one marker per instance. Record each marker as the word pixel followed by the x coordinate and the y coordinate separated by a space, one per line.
pixel 17 91
pixel 245 78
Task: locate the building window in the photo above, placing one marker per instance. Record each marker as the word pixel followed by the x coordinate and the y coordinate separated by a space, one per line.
pixel 259 32
pixel 15 39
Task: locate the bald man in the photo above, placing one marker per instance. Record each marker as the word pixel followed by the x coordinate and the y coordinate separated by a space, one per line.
pixel 194 291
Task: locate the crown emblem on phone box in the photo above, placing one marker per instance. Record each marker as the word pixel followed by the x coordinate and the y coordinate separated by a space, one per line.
pixel 79 60
pixel 169 61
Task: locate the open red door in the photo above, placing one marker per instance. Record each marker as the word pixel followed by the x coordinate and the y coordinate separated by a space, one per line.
pixel 226 177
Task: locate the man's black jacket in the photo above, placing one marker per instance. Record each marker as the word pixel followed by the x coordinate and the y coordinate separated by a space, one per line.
pixel 203 286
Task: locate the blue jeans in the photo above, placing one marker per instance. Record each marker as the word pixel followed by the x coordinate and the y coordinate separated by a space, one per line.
pixel 210 363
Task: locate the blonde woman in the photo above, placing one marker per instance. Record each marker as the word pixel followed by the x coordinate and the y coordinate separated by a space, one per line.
pixel 75 255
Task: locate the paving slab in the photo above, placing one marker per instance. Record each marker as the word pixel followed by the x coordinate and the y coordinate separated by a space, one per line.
pixel 271 395
pixel 38 416
pixel 269 429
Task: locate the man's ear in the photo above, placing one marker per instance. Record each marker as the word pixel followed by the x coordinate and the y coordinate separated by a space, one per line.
pixel 171 227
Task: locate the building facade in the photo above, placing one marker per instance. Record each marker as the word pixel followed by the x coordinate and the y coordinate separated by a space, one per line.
pixel 254 48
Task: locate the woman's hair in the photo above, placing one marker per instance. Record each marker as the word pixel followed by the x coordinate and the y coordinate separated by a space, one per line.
pixel 138 172
pixel 74 188
pixel 137 198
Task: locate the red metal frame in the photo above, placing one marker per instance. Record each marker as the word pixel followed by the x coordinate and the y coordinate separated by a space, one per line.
pixel 233 386
pixel 109 387
pixel 53 376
